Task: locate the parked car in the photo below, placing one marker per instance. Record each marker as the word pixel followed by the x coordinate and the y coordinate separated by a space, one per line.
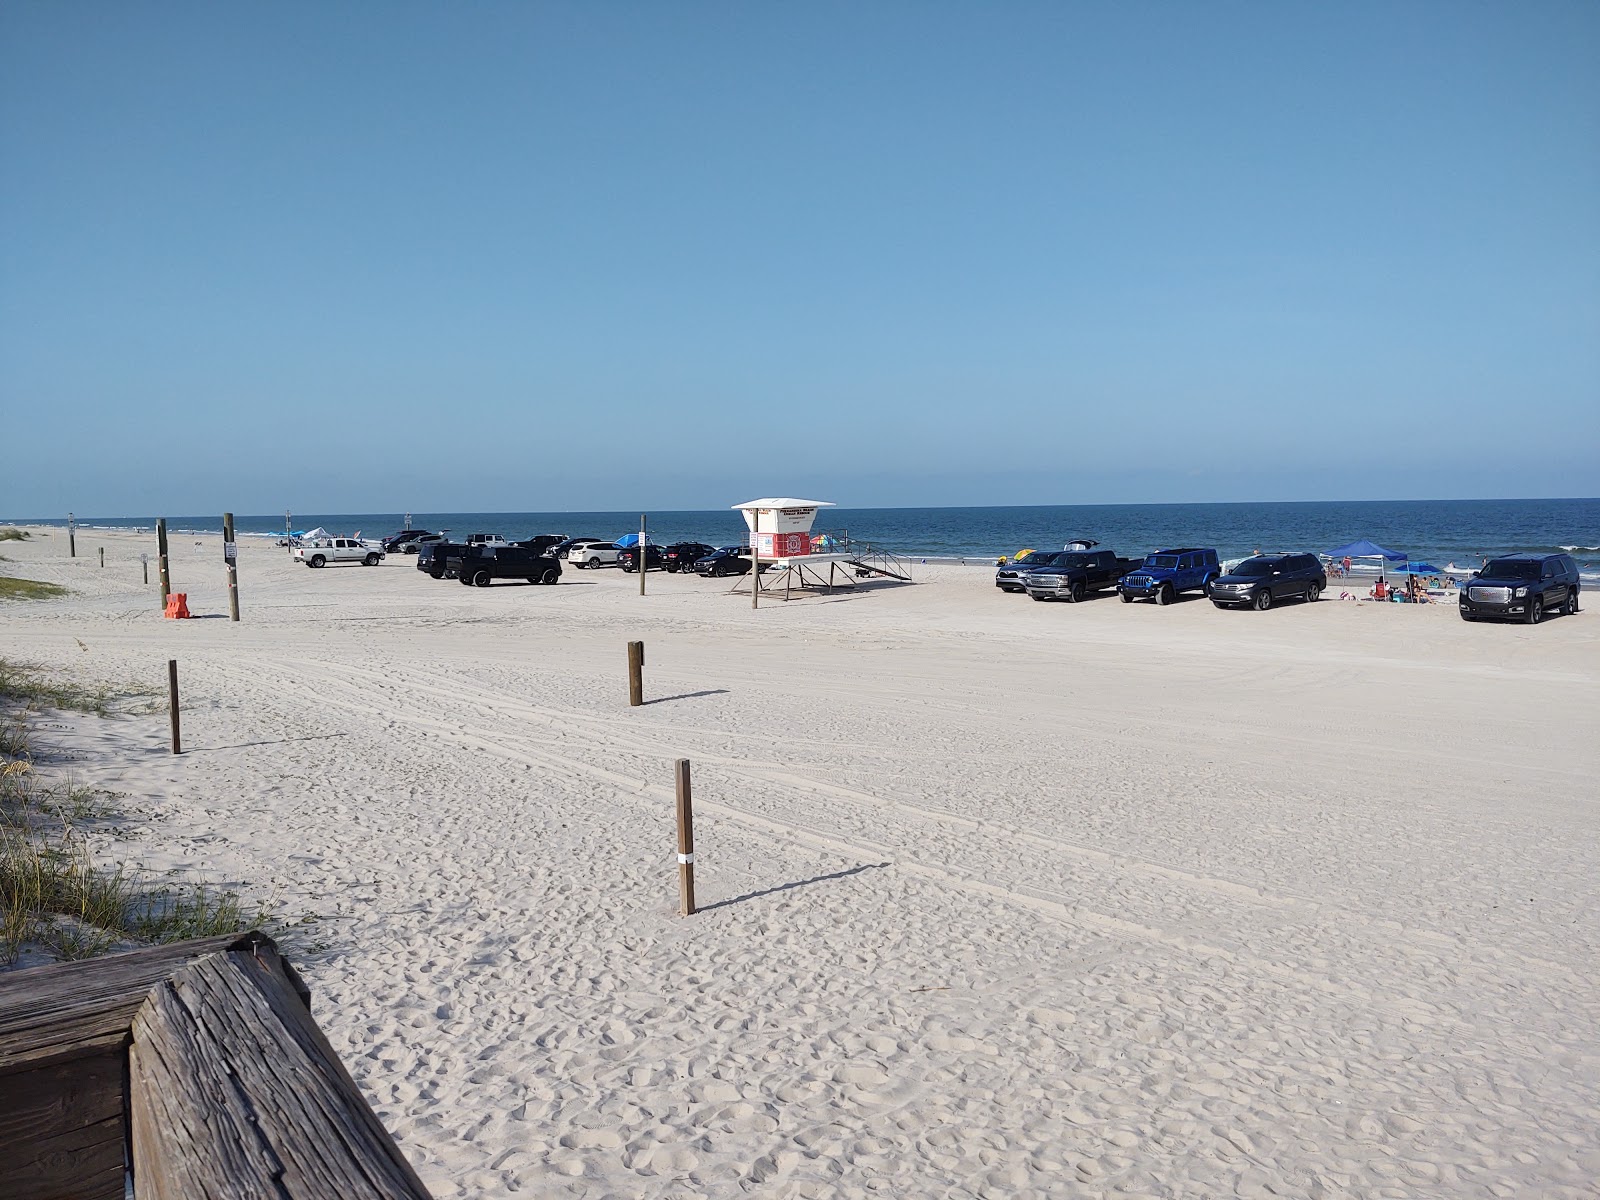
pixel 1075 573
pixel 395 541
pixel 591 553
pixel 1522 587
pixel 1008 577
pixel 1261 581
pixel 322 551
pixel 728 560
pixel 413 544
pixel 654 558
pixel 542 543
pixel 1167 573
pixel 681 556
pixel 563 548
pixel 480 566
pixel 435 557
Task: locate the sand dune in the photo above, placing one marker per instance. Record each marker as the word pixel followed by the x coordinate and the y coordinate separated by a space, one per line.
pixel 1001 899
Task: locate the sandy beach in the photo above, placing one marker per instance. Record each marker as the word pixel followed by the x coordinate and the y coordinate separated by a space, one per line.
pixel 1001 899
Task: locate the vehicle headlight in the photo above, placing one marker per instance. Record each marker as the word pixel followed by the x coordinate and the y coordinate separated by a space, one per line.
pixel 1520 593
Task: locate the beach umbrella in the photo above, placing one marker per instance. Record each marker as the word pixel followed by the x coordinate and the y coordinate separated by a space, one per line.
pixel 1367 549
pixel 631 539
pixel 1420 569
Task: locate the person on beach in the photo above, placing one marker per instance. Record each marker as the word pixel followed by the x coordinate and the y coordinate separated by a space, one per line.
pixel 1345 564
pixel 1380 590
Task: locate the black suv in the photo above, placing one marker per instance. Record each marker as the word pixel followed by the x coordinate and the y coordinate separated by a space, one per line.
pixel 654 558
pixel 681 556
pixel 1266 578
pixel 1521 587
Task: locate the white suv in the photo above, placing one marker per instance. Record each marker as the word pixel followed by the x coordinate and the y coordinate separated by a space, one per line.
pixel 326 550
pixel 592 552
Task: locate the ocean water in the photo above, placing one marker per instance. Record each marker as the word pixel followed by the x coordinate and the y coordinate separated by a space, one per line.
pixel 1440 532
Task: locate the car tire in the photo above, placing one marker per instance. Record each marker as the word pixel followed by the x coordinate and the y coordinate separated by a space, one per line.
pixel 1126 599
pixel 1164 594
pixel 1313 593
pixel 317 561
pixel 1535 612
pixel 1466 616
pixel 1075 592
pixel 1262 600
pixel 718 571
pixel 370 560
pixel 549 577
pixel 436 572
pixel 482 579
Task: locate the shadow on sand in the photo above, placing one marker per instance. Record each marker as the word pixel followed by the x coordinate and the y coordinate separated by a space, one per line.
pixel 689 695
pixel 785 887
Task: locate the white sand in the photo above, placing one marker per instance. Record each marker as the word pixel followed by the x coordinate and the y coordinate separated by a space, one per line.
pixel 1003 899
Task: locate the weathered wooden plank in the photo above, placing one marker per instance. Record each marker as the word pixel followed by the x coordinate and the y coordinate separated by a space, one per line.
pixel 234 1092
pixel 68 1095
pixel 46 1011
pixel 81 1163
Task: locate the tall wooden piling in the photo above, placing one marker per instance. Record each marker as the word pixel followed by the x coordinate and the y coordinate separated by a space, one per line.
pixel 72 537
pixel 161 560
pixel 641 557
pixel 102 558
pixel 172 703
pixel 635 674
pixel 230 552
pixel 685 841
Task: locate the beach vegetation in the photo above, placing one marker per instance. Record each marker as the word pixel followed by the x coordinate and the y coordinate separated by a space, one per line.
pixel 28 589
pixel 14 535
pixel 58 900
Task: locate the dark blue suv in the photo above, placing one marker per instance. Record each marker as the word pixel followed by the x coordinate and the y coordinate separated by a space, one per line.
pixel 1168 572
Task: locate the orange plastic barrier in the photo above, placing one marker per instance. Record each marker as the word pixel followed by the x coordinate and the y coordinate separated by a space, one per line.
pixel 177 605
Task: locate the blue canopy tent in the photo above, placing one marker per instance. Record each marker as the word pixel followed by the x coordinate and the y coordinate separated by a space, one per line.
pixel 1366 549
pixel 1412 568
pixel 632 539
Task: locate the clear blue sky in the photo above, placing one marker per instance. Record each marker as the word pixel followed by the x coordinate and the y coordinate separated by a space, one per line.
pixel 443 257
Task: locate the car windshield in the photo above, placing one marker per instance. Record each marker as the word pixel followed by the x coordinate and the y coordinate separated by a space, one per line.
pixel 1071 560
pixel 1253 567
pixel 1162 562
pixel 1042 559
pixel 1509 568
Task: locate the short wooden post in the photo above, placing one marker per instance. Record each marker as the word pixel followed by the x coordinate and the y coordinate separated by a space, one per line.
pixel 72 537
pixel 172 701
pixel 145 559
pixel 102 558
pixel 685 841
pixel 635 674
pixel 230 552
pixel 161 559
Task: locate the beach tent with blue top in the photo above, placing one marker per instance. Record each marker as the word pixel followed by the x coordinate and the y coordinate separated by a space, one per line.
pixel 1366 549
pixel 632 539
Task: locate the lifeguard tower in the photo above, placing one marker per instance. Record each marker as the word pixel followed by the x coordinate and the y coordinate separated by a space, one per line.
pixel 781 535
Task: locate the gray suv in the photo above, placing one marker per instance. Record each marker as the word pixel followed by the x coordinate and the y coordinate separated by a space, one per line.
pixel 1262 581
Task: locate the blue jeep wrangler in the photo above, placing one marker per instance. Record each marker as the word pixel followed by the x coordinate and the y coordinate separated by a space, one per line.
pixel 1168 572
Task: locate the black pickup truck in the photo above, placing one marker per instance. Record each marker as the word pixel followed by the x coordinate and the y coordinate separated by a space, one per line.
pixel 1521 587
pixel 479 566
pixel 1076 573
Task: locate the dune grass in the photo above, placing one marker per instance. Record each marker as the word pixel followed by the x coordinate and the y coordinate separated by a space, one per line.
pixel 14 535
pixel 28 589
pixel 54 896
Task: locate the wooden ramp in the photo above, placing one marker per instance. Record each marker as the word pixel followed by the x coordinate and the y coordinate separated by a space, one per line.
pixel 194 1069
pixel 888 570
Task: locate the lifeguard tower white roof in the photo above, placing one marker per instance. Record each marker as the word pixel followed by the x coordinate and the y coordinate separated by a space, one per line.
pixel 784 502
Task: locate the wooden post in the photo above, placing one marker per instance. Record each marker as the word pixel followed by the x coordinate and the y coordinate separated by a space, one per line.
pixel 685 841
pixel 288 539
pixel 643 558
pixel 172 702
pixel 230 552
pixel 102 558
pixel 72 537
pixel 145 559
pixel 755 567
pixel 635 674
pixel 161 560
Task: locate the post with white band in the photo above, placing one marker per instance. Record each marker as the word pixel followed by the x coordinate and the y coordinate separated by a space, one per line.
pixel 685 841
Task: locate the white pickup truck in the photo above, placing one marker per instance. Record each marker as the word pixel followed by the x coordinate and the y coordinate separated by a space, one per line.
pixel 319 552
